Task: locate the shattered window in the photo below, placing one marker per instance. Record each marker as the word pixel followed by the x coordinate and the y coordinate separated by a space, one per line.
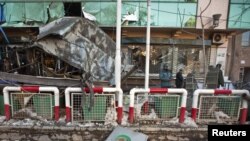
pixel 104 12
pixel 108 13
pixel 32 14
pixel 177 57
pixel 172 13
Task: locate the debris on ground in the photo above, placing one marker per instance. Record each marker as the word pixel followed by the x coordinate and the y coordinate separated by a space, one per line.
pixel 121 133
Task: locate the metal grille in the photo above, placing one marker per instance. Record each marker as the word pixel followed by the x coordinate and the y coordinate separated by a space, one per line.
pixel 32 105
pixel 158 107
pixel 103 106
pixel 219 108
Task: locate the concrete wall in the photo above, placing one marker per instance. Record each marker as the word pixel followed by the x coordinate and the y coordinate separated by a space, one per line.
pixel 245 61
pixel 237 57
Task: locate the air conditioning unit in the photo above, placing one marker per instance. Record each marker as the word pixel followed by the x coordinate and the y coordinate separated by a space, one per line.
pixel 219 38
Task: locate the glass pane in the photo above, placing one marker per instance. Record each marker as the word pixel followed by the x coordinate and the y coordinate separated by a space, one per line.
pixel 105 12
pixel 108 13
pixel 167 18
pixel 154 14
pixel 177 14
pixel 187 16
pixel 245 22
pixel 36 12
pixel 239 16
pixel 94 8
pixel 28 13
pixel 14 12
pixel 143 14
pixel 130 13
pixel 177 0
pixel 176 58
pixel 163 13
pixel 240 1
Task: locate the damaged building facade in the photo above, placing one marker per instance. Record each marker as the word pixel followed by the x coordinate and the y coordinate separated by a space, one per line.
pixel 52 44
pixel 57 39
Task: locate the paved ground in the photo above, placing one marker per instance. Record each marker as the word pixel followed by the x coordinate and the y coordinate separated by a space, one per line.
pixel 50 133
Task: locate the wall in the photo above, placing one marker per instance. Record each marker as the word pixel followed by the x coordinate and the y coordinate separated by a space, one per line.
pixel 235 53
pixel 229 56
pixel 216 7
pixel 236 57
pixel 245 57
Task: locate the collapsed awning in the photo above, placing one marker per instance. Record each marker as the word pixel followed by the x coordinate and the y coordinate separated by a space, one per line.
pixel 82 44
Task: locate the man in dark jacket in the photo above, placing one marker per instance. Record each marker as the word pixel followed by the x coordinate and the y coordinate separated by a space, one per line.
pixel 165 77
pixel 179 79
pixel 220 76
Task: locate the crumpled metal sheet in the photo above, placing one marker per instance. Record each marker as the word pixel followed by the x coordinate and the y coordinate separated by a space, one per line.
pixel 82 44
pixel 80 28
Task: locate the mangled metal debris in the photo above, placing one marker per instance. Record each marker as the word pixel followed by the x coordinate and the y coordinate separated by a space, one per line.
pixel 81 44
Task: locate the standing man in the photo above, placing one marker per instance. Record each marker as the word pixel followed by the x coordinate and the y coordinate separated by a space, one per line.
pixel 220 76
pixel 165 77
pixel 179 79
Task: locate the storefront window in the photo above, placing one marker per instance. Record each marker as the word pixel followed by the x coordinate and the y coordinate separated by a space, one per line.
pixel 176 57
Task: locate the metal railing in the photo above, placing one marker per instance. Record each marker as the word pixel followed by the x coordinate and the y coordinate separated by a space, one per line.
pixel 160 105
pixel 20 102
pixel 104 98
pixel 211 105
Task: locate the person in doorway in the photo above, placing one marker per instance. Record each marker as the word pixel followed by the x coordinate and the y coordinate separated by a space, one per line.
pixel 220 76
pixel 165 77
pixel 179 79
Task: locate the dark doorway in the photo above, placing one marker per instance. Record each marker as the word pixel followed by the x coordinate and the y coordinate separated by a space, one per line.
pixel 246 78
pixel 73 9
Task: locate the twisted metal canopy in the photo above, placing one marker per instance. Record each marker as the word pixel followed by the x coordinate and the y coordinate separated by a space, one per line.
pixel 82 44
